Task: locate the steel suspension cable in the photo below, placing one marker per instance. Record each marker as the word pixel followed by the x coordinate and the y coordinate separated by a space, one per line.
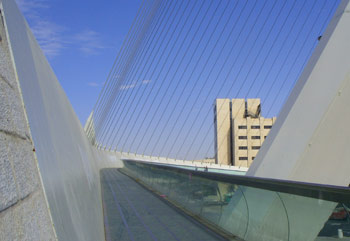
pixel 204 66
pixel 244 63
pixel 305 61
pixel 261 66
pixel 168 71
pixel 121 53
pixel 153 59
pixel 222 66
pixel 166 60
pixel 154 41
pixel 292 48
pixel 106 132
pixel 101 94
pixel 183 71
pixel 251 67
pixel 135 36
pixel 129 60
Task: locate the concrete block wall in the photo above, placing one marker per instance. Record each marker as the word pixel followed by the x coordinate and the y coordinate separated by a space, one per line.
pixel 24 213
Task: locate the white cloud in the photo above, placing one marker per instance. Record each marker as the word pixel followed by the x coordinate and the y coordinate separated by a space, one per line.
pixel 48 34
pixel 30 7
pixel 52 37
pixel 146 81
pixel 93 84
pixel 89 42
pixel 133 85
pixel 125 87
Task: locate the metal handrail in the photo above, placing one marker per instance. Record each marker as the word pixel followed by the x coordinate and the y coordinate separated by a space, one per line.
pixel 312 190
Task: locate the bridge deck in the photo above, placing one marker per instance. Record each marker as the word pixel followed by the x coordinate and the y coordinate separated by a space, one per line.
pixel 134 213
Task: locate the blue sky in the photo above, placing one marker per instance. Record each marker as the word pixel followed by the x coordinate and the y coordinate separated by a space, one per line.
pixel 201 51
pixel 81 40
pixel 186 56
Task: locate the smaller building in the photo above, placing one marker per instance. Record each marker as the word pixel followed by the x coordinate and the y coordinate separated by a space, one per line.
pixel 240 131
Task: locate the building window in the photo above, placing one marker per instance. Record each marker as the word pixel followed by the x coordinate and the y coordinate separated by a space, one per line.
pixel 255 147
pixel 243 148
pixel 255 127
pixel 253 158
pixel 242 137
pixel 242 127
pixel 255 137
pixel 267 127
pixel 243 158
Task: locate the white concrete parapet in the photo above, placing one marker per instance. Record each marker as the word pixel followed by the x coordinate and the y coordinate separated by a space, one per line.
pixel 182 163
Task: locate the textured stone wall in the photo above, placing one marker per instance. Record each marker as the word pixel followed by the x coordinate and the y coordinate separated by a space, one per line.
pixel 65 157
pixel 24 213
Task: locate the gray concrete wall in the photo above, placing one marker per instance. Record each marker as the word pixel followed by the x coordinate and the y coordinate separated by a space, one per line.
pixel 63 155
pixel 24 213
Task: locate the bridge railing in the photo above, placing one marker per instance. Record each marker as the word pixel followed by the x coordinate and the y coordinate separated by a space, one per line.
pixel 247 208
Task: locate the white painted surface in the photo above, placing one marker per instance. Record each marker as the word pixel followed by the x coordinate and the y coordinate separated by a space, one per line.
pixel 220 168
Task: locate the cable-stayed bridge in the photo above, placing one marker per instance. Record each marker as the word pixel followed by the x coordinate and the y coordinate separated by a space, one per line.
pixel 138 170
pixel 181 56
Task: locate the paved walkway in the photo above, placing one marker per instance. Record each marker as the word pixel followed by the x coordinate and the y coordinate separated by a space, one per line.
pixel 134 213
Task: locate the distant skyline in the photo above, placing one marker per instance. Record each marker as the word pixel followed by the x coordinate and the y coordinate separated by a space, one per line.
pixel 80 40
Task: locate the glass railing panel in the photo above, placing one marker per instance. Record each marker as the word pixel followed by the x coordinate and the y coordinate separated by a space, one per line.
pixel 234 217
pixel 164 182
pixel 195 198
pixel 200 195
pixel 180 189
pixel 223 204
pixel 152 177
pixel 337 225
pixel 156 179
pixel 172 184
pixel 148 175
pixel 260 211
pixel 301 213
pixel 267 215
pixel 209 197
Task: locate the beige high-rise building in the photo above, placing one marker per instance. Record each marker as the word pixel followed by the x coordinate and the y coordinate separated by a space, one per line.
pixel 222 122
pixel 239 130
